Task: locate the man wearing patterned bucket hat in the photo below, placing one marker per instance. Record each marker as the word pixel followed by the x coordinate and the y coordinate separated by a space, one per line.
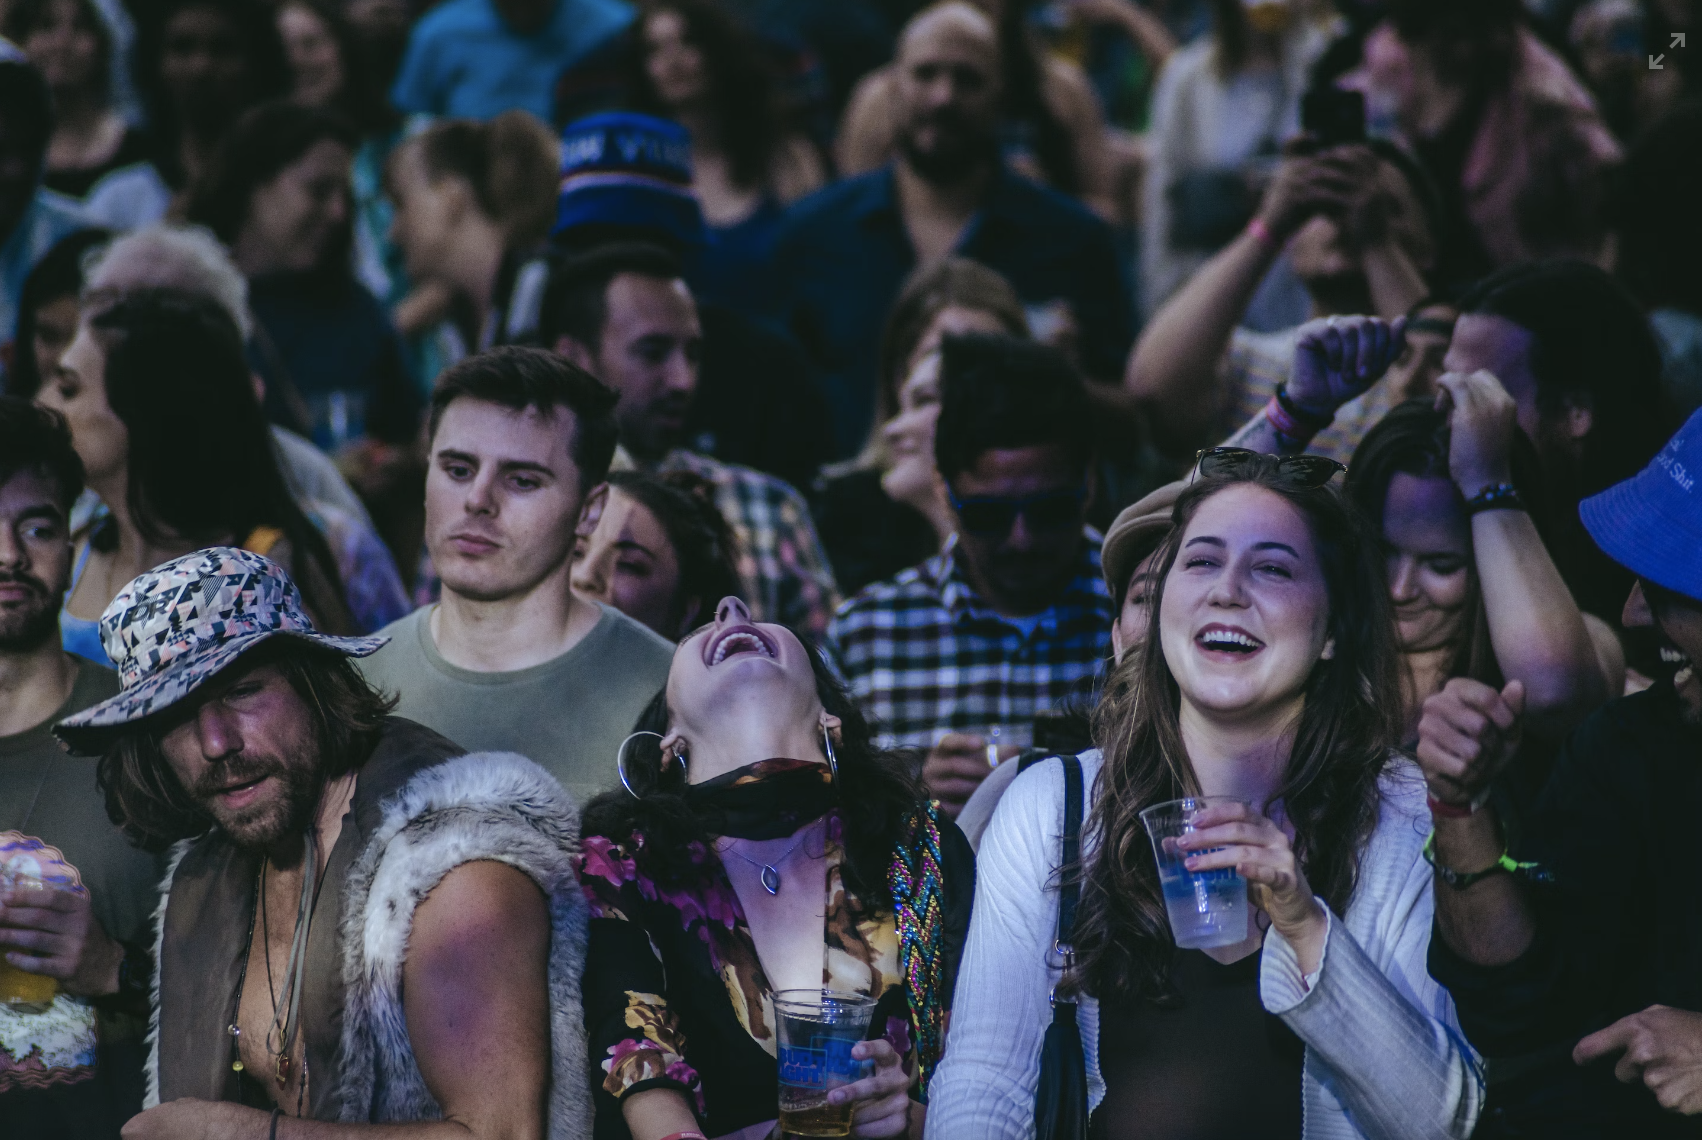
pixel 1582 938
pixel 326 859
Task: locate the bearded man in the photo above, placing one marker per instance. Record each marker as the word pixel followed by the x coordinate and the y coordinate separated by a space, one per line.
pixel 844 252
pixel 364 931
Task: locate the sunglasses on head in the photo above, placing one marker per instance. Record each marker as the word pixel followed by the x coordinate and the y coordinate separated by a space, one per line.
pixel 1302 471
pixel 993 517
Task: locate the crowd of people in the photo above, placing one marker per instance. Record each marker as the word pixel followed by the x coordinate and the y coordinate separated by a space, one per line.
pixel 619 521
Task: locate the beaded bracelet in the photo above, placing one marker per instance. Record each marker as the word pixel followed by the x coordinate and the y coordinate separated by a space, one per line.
pixel 1499 497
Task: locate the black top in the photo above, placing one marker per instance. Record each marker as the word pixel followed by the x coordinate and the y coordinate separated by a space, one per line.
pixel 132 148
pixel 1212 1066
pixel 662 964
pixel 1619 929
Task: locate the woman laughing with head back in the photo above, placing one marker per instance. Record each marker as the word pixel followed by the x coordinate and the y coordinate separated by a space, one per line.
pixel 763 844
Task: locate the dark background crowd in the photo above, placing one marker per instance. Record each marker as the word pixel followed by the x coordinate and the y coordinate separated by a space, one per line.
pixel 907 325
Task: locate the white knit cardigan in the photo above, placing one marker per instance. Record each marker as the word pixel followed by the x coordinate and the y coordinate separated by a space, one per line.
pixel 1385 1059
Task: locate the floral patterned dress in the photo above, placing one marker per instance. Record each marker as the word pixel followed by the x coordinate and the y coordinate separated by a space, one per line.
pixel 676 998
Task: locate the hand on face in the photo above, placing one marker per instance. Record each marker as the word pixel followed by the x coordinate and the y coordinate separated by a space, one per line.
pixel 1466 735
pixel 1245 614
pixel 1338 358
pixel 55 933
pixel 1481 420
pixel 1660 1047
pixel 1262 853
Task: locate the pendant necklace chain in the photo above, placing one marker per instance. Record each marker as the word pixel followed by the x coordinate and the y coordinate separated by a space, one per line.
pixel 770 871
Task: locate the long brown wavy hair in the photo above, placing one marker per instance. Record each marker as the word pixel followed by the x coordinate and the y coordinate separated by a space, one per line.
pixel 1349 721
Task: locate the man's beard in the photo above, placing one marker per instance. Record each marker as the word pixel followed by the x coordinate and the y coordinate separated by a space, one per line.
pixel 260 825
pixel 649 436
pixel 961 149
pixel 27 626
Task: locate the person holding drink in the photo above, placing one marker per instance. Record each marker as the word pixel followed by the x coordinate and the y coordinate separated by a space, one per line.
pixel 1267 700
pixel 777 913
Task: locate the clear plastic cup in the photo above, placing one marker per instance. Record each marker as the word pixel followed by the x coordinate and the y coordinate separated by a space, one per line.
pixel 20 990
pixel 818 1029
pixel 1206 908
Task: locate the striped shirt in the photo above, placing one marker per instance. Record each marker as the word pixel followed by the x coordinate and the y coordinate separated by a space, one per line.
pixel 923 655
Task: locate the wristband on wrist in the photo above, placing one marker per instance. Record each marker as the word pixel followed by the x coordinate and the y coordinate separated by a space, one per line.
pixel 1286 425
pixel 273 1133
pixel 1496 497
pixel 1460 880
pixel 1440 810
pixel 1260 230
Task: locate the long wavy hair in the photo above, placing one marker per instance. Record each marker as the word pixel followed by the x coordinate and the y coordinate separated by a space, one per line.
pixel 740 85
pixel 1348 723
pixel 878 792
pixel 144 796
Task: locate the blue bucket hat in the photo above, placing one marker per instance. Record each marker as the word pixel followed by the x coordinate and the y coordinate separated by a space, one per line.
pixel 1651 524
pixel 628 170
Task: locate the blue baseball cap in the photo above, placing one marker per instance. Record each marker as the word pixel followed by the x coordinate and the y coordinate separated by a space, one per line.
pixel 1651 524
pixel 628 170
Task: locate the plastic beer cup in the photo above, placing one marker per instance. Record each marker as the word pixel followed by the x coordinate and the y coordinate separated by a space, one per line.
pixel 818 1029
pixel 21 990
pixel 1206 908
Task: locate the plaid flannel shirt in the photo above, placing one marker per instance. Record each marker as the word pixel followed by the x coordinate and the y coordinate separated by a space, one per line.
pixel 781 563
pixel 923 655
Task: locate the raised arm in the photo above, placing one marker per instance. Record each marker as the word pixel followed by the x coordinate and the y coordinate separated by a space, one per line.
pixel 1535 627
pixel 476 996
pixel 1175 368
pixel 1335 360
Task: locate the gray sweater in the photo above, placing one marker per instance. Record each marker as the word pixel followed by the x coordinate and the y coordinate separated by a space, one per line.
pixel 1385 1059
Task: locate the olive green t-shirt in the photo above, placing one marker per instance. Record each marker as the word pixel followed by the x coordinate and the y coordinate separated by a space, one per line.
pixel 47 793
pixel 568 714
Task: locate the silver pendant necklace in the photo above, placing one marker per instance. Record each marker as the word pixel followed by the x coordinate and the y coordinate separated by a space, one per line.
pixel 770 872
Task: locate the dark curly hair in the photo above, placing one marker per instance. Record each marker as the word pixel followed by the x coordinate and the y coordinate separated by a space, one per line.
pixel 1349 722
pixel 143 795
pixel 878 792
pixel 739 79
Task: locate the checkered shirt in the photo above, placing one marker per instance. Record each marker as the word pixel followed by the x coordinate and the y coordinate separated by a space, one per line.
pixel 924 655
pixel 781 563
pixel 1257 362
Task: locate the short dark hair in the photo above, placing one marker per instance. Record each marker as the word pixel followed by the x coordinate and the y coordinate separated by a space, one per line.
pixel 262 143
pixel 35 440
pixel 927 292
pixel 576 300
pixel 1000 392
pixel 1593 348
pixel 684 504
pixel 1474 41
pixel 59 274
pixel 143 795
pixel 520 377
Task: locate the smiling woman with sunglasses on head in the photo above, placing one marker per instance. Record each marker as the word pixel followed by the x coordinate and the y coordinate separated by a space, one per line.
pixel 1269 679
pixel 762 843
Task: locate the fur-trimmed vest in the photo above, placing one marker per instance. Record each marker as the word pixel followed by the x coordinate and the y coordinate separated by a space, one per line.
pixel 420 810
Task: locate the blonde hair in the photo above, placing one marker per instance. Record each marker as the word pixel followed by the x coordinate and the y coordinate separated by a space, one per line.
pixel 511 162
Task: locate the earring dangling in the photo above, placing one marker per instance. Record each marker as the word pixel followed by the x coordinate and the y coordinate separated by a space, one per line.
pixel 620 761
pixel 832 760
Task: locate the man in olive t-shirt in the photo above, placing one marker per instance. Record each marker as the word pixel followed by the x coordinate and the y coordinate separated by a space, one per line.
pixel 510 659
pixel 74 1070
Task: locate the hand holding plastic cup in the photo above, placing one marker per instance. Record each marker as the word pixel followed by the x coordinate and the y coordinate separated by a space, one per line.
pixel 817 1031
pixel 1206 908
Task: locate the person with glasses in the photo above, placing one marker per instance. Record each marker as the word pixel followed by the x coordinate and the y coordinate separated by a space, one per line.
pixel 1270 678
pixel 1012 616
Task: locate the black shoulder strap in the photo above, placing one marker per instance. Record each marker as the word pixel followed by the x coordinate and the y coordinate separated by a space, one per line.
pixel 1069 894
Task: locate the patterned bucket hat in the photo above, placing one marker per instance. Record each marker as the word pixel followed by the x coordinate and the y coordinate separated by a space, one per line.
pixel 179 624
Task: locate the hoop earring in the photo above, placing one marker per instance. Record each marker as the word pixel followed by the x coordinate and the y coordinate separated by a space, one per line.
pixel 832 760
pixel 620 761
